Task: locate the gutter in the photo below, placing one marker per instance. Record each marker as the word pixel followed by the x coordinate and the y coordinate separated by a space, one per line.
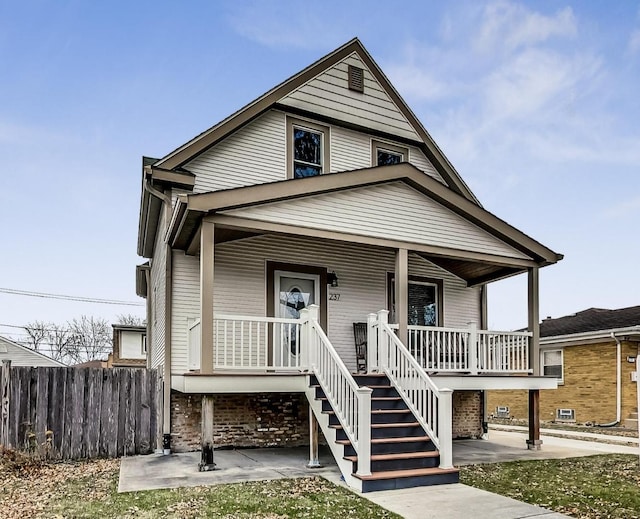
pixel 618 383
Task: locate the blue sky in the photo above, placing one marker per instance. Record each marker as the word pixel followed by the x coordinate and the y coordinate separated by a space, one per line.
pixel 535 103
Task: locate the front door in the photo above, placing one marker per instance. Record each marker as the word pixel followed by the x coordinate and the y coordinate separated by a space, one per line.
pixel 293 291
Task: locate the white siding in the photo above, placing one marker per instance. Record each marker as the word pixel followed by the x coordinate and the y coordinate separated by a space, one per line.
pixel 158 282
pixel 23 356
pixel 255 154
pixel 389 211
pixel 328 94
pixel 418 159
pixel 185 305
pixel 240 286
pixel 349 150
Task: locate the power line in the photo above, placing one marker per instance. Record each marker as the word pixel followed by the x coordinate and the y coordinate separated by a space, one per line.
pixel 69 298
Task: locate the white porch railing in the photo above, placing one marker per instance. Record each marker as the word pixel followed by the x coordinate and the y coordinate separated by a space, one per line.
pixel 430 405
pixel 460 350
pixel 350 402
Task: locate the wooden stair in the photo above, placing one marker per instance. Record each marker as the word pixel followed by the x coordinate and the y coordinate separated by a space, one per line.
pixel 402 454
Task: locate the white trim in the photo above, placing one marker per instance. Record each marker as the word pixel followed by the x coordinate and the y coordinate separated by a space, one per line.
pixel 560 379
pixel 240 383
pixel 458 383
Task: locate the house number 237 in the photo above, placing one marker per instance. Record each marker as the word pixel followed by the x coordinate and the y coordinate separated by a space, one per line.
pixel 334 297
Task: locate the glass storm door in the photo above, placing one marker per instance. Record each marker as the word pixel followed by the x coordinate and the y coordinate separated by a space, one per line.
pixel 293 291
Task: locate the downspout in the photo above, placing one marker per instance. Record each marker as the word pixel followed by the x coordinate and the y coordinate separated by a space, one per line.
pixel 166 370
pixel 618 383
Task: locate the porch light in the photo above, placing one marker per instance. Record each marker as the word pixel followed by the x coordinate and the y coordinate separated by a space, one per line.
pixel 332 279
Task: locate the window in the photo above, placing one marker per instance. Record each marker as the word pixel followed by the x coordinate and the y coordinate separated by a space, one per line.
pixel 308 149
pixel 385 154
pixel 552 364
pixel 425 300
pixel 144 344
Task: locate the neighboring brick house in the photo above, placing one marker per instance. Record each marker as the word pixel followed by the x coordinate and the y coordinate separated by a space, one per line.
pixel 593 354
pixel 319 211
pixel 129 346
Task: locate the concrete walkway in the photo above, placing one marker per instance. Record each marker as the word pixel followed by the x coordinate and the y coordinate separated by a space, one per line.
pixel 442 501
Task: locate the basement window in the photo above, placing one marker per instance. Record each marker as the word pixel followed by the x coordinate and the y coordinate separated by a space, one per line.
pixel 552 365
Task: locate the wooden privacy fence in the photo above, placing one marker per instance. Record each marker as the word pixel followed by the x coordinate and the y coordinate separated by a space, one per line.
pixel 72 413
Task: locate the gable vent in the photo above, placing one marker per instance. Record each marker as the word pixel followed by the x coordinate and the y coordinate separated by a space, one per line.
pixel 356 79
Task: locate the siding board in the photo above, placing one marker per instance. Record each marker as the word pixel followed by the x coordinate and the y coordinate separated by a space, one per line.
pixel 390 211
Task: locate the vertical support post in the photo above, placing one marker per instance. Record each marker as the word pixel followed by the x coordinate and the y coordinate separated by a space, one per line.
pixel 638 394
pixel 484 308
pixel 402 293
pixel 383 341
pixel 305 340
pixel 314 461
pixel 473 348
pixel 534 319
pixel 534 442
pixel 314 316
pixel 206 459
pixel 5 398
pixel 445 427
pixel 372 353
pixel 364 431
pixel 207 234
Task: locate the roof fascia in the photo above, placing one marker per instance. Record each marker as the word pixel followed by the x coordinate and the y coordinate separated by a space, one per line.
pixel 179 179
pixel 295 188
pixel 582 337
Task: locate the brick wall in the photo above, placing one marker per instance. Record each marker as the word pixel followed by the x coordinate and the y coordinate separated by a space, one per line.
pixel 589 386
pixel 467 414
pixel 241 420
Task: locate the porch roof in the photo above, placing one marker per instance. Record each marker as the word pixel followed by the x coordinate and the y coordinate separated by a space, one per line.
pixel 474 266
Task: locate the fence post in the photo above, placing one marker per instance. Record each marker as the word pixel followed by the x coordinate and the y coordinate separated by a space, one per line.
pixel 445 429
pixel 305 339
pixel 5 398
pixel 372 353
pixel 473 348
pixel 383 342
pixel 364 431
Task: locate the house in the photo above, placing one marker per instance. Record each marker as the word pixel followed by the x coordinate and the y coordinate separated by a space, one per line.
pixel 321 207
pixel 129 346
pixel 20 355
pixel 593 356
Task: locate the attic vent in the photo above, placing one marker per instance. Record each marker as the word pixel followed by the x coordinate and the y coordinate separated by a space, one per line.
pixel 502 411
pixel 356 79
pixel 565 415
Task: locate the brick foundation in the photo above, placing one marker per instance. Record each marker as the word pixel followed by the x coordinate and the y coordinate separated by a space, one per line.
pixel 279 419
pixel 467 414
pixel 241 420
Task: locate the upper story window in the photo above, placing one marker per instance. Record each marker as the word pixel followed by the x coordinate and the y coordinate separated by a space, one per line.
pixel 551 363
pixel 384 154
pixel 308 149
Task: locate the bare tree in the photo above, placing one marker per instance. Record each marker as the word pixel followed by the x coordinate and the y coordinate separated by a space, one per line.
pixel 37 331
pixel 130 320
pixel 61 344
pixel 90 337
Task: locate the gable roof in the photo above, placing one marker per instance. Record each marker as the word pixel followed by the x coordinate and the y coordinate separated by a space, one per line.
pixel 590 320
pixel 270 99
pixel 20 355
pixel 191 208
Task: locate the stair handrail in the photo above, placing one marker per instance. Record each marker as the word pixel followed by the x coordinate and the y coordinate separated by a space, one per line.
pixel 350 402
pixel 431 405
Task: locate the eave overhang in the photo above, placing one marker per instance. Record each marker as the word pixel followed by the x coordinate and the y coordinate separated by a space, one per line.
pixel 155 182
pixel 628 333
pixel 475 269
pixel 141 279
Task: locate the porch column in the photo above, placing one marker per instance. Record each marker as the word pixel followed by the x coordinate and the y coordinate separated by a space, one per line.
pixel 402 293
pixel 206 458
pixel 314 462
pixel 207 234
pixel 534 442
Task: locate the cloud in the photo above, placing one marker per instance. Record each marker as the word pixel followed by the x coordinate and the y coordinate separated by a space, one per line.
pixel 634 42
pixel 279 24
pixel 624 209
pixel 509 26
